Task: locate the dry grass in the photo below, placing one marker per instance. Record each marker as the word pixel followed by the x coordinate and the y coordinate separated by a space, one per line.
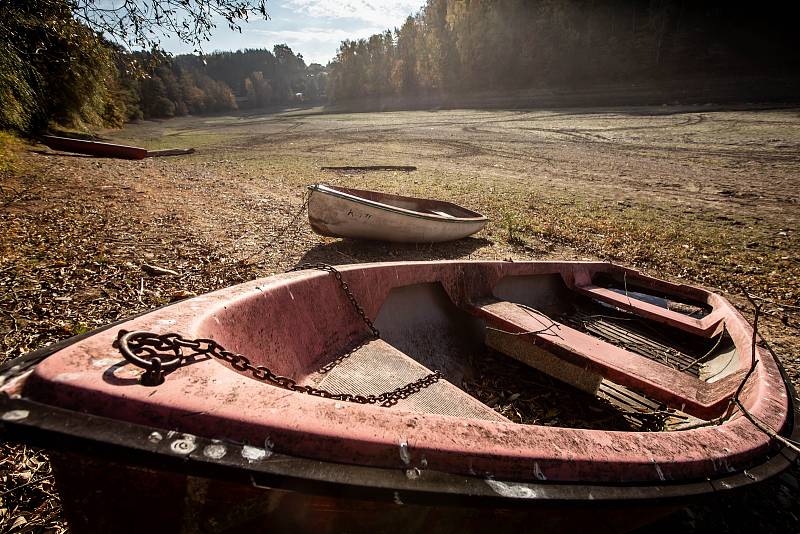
pixel 708 198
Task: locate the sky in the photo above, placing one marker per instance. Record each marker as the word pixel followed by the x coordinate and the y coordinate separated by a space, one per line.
pixel 313 28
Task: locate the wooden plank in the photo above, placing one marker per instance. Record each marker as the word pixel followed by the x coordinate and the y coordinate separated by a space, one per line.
pixel 671 387
pixel 363 168
pixel 169 152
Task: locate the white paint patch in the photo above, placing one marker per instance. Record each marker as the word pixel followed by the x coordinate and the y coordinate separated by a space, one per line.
pixel 106 362
pixel 405 454
pixel 537 472
pixel 15 415
pixel 184 445
pixel 255 454
pixel 413 473
pixel 166 322
pixel 338 405
pixel 67 377
pixel 215 451
pixel 128 372
pixel 291 294
pixel 722 464
pixel 155 437
pixel 659 471
pixel 514 491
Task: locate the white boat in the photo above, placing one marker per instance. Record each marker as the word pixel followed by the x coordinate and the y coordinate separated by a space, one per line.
pixel 343 212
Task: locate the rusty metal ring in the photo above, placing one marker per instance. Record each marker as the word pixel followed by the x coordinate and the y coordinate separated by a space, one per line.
pixel 148 365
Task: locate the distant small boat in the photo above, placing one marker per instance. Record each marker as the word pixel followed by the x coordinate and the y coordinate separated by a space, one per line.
pixel 94 148
pixel 343 212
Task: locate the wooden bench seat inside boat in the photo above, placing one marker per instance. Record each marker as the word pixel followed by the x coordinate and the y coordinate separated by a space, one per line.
pixel 704 326
pixel 584 360
pixel 376 367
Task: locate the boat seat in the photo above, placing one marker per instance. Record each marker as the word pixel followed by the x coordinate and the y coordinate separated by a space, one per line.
pixel 704 326
pixel 584 361
pixel 442 214
pixel 376 367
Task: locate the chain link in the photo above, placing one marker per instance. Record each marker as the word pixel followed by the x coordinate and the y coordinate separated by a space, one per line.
pixel 292 225
pixel 155 345
pixel 133 345
pixel 346 288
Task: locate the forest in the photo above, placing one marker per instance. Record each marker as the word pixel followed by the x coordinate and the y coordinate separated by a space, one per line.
pixel 55 69
pixel 221 81
pixel 463 46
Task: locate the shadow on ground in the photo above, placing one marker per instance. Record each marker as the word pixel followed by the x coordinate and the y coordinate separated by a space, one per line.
pixel 353 251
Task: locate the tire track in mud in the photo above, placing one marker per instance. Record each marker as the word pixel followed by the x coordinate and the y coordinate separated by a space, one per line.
pixel 474 127
pixel 579 135
pixel 470 149
pixel 695 150
pixel 712 194
pixel 587 134
pixel 503 137
pixel 459 149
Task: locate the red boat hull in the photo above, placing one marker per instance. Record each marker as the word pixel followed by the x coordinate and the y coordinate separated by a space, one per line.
pixel 94 148
pixel 218 436
pixel 114 497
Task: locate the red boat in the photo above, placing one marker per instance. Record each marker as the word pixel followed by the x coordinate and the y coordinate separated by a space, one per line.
pixel 348 398
pixel 94 148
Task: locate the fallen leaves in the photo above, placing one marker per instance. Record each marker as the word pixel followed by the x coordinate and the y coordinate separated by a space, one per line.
pixel 528 396
pixel 153 270
pixel 68 265
pixel 28 499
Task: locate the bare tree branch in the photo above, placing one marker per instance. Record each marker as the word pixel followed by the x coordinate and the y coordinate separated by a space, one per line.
pixel 144 23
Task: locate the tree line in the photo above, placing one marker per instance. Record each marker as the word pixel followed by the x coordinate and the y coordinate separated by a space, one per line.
pixel 221 81
pixel 461 46
pixel 55 68
pixel 57 64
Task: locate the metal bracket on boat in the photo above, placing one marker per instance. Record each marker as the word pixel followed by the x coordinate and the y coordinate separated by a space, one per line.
pixel 154 347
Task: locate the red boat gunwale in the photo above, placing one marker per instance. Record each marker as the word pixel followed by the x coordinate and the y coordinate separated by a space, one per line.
pixel 94 148
pixel 294 322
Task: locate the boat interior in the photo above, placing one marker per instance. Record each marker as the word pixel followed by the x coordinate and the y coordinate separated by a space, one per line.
pixel 420 205
pixel 538 350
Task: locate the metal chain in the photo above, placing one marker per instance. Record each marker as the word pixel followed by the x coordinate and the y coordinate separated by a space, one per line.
pixel 339 359
pixel 346 288
pixel 285 229
pixel 133 345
